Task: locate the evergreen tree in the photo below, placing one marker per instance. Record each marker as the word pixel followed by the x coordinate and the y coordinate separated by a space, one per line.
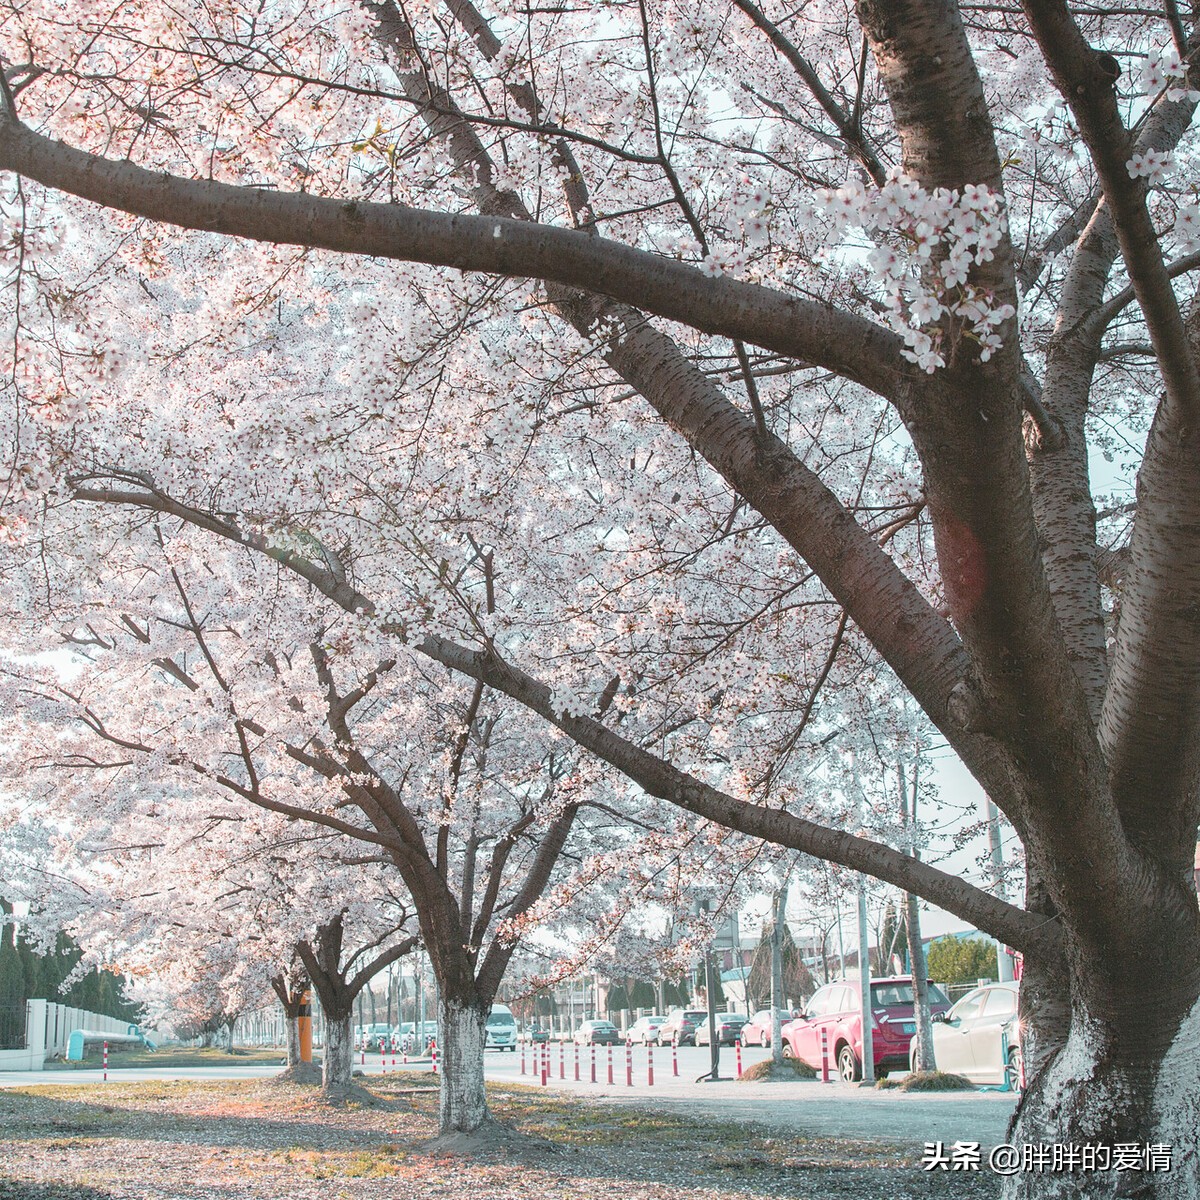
pixel 962 960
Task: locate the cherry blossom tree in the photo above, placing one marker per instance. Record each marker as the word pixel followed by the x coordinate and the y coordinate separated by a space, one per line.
pixel 791 248
pixel 424 808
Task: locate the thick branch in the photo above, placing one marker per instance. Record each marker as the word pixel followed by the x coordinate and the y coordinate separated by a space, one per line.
pixel 848 345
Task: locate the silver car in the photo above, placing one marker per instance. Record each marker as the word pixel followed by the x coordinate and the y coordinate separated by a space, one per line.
pixel 980 1037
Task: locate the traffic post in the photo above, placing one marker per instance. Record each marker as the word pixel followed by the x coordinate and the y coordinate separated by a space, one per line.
pixel 105 1062
pixel 675 1056
pixel 576 1046
pixel 562 1061
pixel 593 1062
pixel 629 1062
pixel 738 1044
pixel 433 1052
pixel 649 1064
pixel 824 1056
pixel 610 1064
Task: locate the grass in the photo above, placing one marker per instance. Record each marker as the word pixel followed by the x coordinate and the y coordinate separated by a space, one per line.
pixel 203 1130
pixel 174 1056
pixel 768 1070
pixel 928 1081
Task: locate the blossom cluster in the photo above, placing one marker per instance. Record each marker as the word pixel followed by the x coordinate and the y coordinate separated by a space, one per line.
pixel 1167 71
pixel 923 246
pixel 566 703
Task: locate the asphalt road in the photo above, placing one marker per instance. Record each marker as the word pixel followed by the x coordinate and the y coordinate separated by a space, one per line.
pixel 799 1109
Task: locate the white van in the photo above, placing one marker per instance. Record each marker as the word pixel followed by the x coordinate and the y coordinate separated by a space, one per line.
pixel 501 1029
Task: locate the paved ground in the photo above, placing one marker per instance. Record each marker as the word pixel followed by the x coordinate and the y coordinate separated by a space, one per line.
pixel 833 1109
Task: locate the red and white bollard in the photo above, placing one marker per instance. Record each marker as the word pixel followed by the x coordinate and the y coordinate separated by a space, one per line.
pixel 383 1057
pixel 738 1043
pixel 562 1061
pixel 545 1063
pixel 649 1064
pixel 824 1056
pixel 393 1054
pixel 522 1057
pixel 105 1062
pixel 675 1056
pixel 610 1065
pixel 629 1062
pixel 433 1052
pixel 576 1045
pixel 593 1062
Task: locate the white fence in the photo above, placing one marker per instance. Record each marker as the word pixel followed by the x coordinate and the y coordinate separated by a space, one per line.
pixel 47 1028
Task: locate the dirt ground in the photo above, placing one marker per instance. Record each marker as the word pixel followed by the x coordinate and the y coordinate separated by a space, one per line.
pixel 262 1140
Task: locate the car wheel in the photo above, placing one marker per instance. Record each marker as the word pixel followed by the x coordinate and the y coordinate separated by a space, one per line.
pixel 788 1052
pixel 848 1065
pixel 1012 1071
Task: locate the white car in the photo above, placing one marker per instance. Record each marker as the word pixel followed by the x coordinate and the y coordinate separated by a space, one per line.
pixel 980 1037
pixel 645 1030
pixel 501 1029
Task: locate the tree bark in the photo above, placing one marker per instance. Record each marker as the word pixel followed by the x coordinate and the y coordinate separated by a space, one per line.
pixel 463 1107
pixel 337 1066
pixel 777 996
pixel 1116 1070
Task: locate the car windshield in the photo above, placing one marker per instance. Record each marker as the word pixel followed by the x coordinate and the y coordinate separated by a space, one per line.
pixel 495 1019
pixel 900 995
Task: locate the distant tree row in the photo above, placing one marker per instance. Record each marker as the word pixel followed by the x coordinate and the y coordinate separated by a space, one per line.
pixel 27 974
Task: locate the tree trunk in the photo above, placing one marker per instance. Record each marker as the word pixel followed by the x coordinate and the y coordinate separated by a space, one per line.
pixel 923 1056
pixel 777 974
pixel 293 1037
pixel 1116 1066
pixel 460 1060
pixel 337 1065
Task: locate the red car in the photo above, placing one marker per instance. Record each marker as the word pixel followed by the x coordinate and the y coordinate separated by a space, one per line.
pixel 836 1010
pixel 757 1031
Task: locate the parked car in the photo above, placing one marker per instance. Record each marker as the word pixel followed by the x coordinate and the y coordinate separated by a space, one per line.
pixel 980 1037
pixel 373 1037
pixel 836 1009
pixel 538 1036
pixel 757 1030
pixel 645 1030
pixel 597 1033
pixel 500 1029
pixel 680 1025
pixel 728 1029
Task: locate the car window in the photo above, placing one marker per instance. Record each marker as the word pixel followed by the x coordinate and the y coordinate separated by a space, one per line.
pixel 1000 1002
pixel 891 995
pixel 844 999
pixel 819 1004
pixel 968 1007
pixel 936 995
